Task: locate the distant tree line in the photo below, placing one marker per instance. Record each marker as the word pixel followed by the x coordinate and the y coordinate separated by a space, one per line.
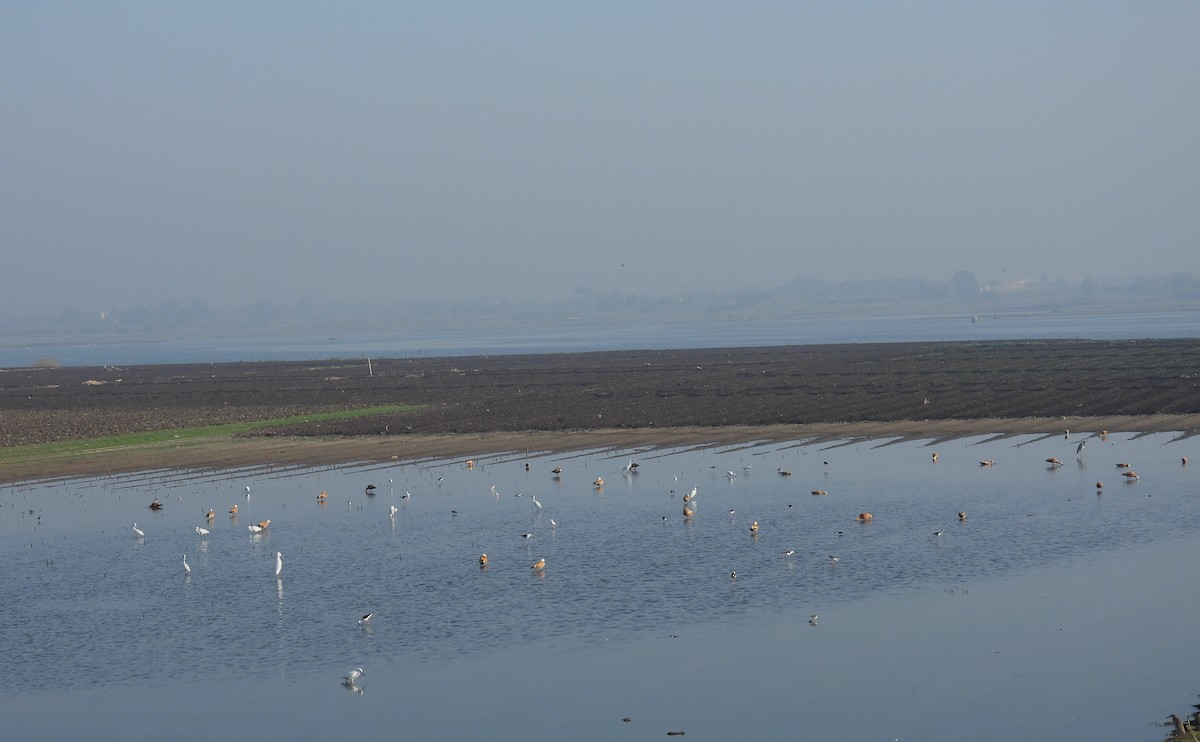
pixel 804 296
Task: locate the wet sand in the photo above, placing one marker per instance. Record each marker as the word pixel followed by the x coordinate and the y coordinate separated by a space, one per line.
pixel 236 452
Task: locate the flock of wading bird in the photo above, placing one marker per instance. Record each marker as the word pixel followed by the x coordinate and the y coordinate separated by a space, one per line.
pixel 539 566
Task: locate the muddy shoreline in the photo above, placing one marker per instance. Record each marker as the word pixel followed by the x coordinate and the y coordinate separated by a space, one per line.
pixel 524 404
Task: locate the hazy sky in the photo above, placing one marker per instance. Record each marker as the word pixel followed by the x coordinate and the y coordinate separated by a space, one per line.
pixel 239 152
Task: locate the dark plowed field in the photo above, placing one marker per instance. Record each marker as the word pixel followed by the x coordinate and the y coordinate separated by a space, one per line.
pixel 744 386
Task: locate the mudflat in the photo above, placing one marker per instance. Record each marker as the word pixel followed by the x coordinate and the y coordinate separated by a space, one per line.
pixel 528 403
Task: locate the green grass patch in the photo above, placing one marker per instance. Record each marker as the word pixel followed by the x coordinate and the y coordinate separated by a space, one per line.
pixel 179 435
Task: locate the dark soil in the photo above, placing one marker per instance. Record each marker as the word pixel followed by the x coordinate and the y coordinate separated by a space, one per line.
pixel 627 389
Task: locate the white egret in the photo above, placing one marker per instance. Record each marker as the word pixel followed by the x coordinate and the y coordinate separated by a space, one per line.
pixel 536 504
pixel 187 568
pixel 353 675
pixel 553 523
pixel 138 532
pixel 201 531
pixel 255 529
pixel 278 562
pixel 393 511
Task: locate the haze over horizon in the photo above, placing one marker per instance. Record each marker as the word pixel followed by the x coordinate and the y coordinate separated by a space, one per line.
pixel 435 151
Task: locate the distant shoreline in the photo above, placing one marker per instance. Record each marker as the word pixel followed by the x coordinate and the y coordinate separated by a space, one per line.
pixel 240 452
pixel 476 405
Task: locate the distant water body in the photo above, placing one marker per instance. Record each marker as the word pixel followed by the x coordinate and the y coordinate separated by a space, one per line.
pixel 583 337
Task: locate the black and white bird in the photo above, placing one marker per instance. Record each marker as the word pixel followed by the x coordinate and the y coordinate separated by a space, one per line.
pixel 366 619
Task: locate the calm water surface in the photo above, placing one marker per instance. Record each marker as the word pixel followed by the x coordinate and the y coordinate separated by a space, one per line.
pixel 581 337
pixel 1053 611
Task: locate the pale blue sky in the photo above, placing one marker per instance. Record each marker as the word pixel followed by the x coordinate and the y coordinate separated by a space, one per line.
pixel 267 151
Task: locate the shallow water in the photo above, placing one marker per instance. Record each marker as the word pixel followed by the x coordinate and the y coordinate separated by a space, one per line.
pixel 1051 611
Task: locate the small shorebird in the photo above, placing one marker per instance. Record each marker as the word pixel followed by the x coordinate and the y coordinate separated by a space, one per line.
pixel 366 619
pixel 1122 466
pixel 989 462
pixel 939 532
pixel 556 470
